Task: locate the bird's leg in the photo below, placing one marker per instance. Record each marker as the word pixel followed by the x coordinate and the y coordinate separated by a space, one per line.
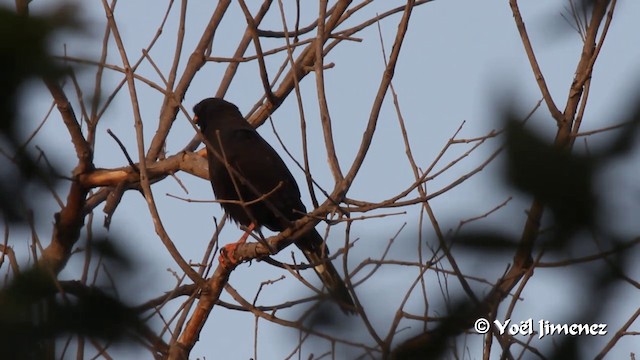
pixel 226 257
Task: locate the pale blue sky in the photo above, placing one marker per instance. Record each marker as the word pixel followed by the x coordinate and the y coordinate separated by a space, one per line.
pixel 457 58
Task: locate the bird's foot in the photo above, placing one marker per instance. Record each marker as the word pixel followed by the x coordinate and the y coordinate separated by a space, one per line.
pixel 227 258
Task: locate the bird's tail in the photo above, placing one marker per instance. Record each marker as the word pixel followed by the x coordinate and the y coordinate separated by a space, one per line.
pixel 315 250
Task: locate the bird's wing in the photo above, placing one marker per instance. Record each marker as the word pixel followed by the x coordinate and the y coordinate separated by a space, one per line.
pixel 262 167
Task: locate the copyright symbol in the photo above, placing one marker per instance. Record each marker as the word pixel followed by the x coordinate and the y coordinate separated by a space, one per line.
pixel 481 326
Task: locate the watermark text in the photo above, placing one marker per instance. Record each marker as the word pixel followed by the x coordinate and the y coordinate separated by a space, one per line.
pixel 541 327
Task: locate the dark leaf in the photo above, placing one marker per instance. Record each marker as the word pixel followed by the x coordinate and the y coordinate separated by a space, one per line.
pixel 562 181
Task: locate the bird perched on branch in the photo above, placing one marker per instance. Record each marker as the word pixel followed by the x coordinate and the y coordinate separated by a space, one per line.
pixel 256 188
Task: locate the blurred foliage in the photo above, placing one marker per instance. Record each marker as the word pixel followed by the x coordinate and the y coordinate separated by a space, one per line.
pixel 564 182
pixel 561 180
pixel 35 308
pixel 23 56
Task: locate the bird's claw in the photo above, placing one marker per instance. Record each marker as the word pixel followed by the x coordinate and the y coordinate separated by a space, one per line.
pixel 227 258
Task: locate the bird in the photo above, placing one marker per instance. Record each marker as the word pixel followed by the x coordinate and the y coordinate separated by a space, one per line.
pixel 256 189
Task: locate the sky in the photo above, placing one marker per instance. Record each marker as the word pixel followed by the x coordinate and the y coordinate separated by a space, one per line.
pixel 459 56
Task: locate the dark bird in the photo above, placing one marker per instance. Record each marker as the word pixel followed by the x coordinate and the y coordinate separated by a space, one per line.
pixel 257 189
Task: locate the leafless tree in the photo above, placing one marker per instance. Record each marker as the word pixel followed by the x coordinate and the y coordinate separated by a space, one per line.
pixel 286 59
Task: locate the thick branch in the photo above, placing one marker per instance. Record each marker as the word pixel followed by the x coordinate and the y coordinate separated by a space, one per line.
pixel 70 220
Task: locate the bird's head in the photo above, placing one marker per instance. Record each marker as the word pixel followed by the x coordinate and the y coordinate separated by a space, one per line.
pixel 211 112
